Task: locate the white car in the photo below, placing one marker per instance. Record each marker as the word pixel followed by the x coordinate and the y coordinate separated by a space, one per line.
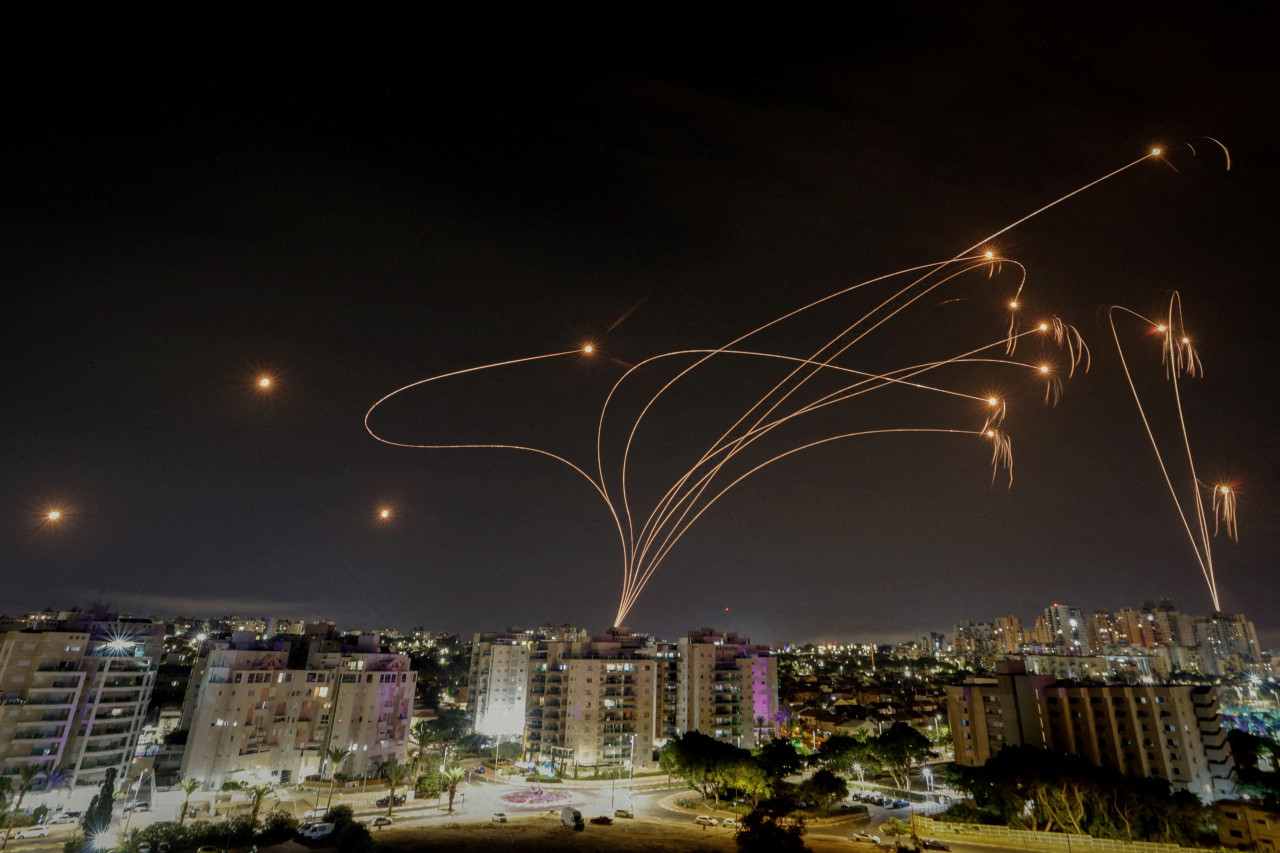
pixel 706 820
pixel 729 823
pixel 863 835
pixel 500 817
pixel 32 832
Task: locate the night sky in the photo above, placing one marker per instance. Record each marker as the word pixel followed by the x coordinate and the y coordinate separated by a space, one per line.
pixel 351 205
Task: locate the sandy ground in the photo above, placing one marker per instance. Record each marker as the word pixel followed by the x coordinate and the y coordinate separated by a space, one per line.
pixel 545 833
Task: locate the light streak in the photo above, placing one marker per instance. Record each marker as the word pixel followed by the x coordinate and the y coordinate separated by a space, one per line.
pixel 647 538
pixel 1179 357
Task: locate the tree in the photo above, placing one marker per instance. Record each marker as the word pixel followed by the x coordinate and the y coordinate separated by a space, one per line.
pixel 257 794
pixel 895 829
pixel 748 776
pixel 189 786
pixel 450 777
pixel 98 816
pixel 444 731
pixel 395 773
pixel 824 788
pixel 419 738
pixel 701 761
pixel 336 756
pixel 129 841
pixel 27 776
pixel 840 753
pixel 900 749
pixel 779 758
pixel 761 833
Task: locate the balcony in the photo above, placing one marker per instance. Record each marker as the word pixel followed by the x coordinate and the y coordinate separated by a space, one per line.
pixel 46 734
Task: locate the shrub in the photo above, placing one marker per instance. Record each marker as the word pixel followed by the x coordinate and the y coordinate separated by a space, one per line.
pixel 278 826
pixel 353 837
pixel 339 816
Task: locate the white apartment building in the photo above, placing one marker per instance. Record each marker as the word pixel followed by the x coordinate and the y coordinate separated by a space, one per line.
pixel 611 701
pixel 256 720
pixel 726 688
pixel 499 681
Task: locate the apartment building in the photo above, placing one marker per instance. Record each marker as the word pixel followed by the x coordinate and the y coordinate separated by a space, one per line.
pixel 726 687
pixel 74 694
pixel 1168 732
pixel 499 680
pixel 255 718
pixel 611 700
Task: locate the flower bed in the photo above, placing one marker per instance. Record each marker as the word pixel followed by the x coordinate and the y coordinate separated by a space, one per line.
pixel 534 798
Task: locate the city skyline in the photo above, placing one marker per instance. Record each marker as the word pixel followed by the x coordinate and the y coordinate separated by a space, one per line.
pixel 174 237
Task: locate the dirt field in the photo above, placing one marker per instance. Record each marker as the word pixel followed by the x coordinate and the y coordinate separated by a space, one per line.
pixel 546 834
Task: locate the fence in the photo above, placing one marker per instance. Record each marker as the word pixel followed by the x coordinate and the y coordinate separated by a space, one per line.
pixel 1053 842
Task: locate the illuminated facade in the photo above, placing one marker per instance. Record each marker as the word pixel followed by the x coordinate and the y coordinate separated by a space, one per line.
pixel 609 701
pixel 256 720
pixel 1164 732
pixel 498 681
pixel 727 688
pixel 75 700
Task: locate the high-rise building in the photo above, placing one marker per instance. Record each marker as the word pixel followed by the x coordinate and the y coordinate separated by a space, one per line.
pixel 611 700
pixel 1167 732
pixel 257 719
pixel 499 680
pixel 1067 629
pixel 726 687
pixel 74 694
pixel 1228 643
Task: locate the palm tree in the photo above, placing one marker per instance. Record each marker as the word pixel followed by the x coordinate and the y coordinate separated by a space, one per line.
pixel 189 786
pixel 257 794
pixel 450 777
pixel 336 756
pixel 419 736
pixel 129 841
pixel 395 773
pixel 27 775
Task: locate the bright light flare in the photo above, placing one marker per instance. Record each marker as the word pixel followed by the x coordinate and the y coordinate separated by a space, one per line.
pixel 1014 304
pixel 991 401
pixel 54 515
pixel 384 513
pixel 588 349
pixel 264 382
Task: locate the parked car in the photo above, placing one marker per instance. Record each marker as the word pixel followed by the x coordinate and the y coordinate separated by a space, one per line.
pixel 144 847
pixel 863 835
pixel 602 820
pixel 380 821
pixel 32 832
pixel 572 818
pixel 729 823
pixel 385 801
pixel 310 832
pixel 901 804
pixel 64 819
pixel 934 844
pixel 501 817
pixel 482 770
pixel 706 820
pixel 623 813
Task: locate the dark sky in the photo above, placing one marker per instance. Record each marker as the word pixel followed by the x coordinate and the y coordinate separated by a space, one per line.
pixel 354 204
